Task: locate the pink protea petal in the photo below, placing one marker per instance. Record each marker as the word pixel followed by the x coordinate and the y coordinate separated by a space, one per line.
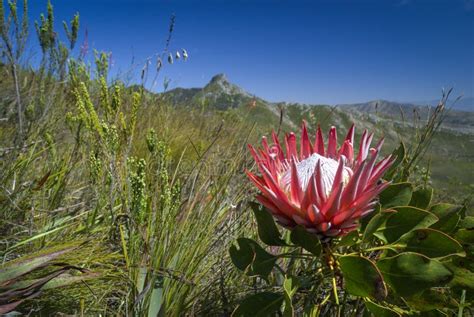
pixel 276 142
pixel 346 217
pixel 319 183
pixel 363 140
pixel 306 145
pixel 333 232
pixel 339 175
pixel 255 156
pixel 367 145
pixel 341 217
pixel 311 197
pixel 348 151
pixel 367 172
pixel 315 215
pixel 366 197
pixel 350 134
pixel 290 141
pixel 326 191
pixel 269 205
pixel 351 188
pixel 332 143
pixel 268 177
pixel 285 222
pixel 271 182
pixel 367 211
pixel 378 147
pixel 364 146
pixel 332 205
pixel 381 167
pixel 296 193
pixel 301 221
pixel 258 181
pixel 277 197
pixel 265 145
pixel 323 226
pixel 319 142
pixel 348 227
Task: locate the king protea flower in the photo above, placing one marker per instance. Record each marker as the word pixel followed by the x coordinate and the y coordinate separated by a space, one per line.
pixel 324 189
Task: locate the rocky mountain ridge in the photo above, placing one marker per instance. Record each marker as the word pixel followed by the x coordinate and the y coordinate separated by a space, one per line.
pixel 221 94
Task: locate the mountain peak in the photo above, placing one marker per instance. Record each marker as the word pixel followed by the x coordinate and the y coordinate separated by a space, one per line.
pixel 219 79
pixel 219 84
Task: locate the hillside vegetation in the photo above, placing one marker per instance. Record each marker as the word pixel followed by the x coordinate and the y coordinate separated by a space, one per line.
pixel 116 201
pixel 449 160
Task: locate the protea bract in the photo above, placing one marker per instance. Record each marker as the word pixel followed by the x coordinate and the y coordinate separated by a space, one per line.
pixel 325 189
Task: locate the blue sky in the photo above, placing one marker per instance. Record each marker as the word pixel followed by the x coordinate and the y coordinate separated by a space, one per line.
pixel 293 50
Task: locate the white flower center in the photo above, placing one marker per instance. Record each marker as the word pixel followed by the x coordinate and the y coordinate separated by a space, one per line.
pixel 307 167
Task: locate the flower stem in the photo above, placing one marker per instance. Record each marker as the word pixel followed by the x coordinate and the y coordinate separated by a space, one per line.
pixel 385 247
pixel 330 262
pixel 334 285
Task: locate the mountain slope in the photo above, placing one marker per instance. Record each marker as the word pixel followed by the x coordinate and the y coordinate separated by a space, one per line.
pixel 451 155
pixel 463 104
pixel 460 121
pixel 221 94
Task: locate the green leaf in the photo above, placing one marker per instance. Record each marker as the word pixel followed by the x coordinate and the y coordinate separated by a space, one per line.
pixel 466 262
pixel 38 236
pixel 449 216
pixel 267 229
pixel 24 265
pixel 11 305
pixel 349 239
pixel 364 221
pixel 375 223
pixel 410 273
pixel 251 258
pixel 362 278
pixel 447 224
pixel 433 313
pixel 290 286
pixel 443 209
pixel 13 295
pixel 465 236
pixel 467 223
pixel 398 194
pixel 65 279
pixel 431 299
pixel 156 302
pixel 404 220
pixel 306 240
pixel 400 154
pixel 463 277
pixel 259 305
pixel 430 242
pixel 243 256
pixel 421 197
pixel 380 311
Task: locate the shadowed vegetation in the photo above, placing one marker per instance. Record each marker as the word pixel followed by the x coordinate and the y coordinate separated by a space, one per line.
pixel 118 201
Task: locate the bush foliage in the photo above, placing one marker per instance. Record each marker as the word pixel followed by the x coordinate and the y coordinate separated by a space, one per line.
pixel 115 202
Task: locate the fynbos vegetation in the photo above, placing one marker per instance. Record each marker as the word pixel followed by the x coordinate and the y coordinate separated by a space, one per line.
pixel 118 201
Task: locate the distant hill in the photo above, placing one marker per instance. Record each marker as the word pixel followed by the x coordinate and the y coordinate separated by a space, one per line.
pixel 463 104
pixel 221 94
pixel 461 121
pixel 451 154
